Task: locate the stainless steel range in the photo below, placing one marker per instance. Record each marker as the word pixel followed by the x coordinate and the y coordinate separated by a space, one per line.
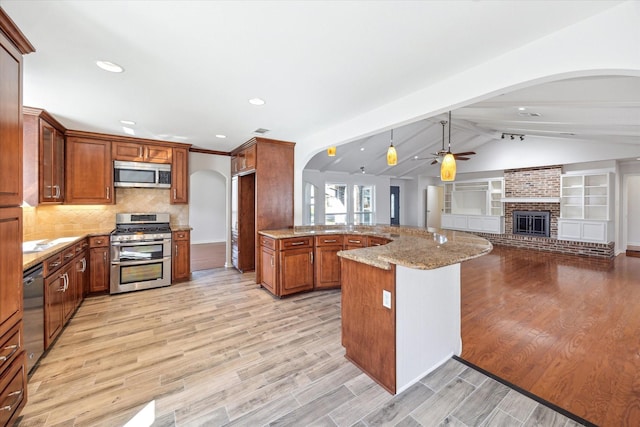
pixel 140 252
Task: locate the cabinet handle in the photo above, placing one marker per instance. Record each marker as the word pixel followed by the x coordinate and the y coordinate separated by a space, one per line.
pixel 67 256
pixel 57 188
pixel 84 265
pixel 175 194
pixel 354 241
pixel 13 349
pixel 272 265
pixel 9 408
pixel 176 250
pixel 297 243
pixel 54 264
pixel 104 256
pixel 140 151
pixel 108 193
pixel 311 257
pixel 329 241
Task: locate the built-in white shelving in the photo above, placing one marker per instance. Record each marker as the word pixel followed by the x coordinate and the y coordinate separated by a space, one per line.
pixel 474 205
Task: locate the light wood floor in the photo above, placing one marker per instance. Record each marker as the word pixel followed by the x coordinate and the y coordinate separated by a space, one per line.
pixel 218 350
pixel 565 328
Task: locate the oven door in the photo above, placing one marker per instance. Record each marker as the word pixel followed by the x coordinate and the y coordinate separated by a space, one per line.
pixel 140 265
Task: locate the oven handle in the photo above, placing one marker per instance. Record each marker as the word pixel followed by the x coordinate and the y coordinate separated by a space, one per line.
pixel 151 261
pixel 140 242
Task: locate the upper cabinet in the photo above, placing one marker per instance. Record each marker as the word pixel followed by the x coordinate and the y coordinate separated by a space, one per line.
pixel 180 176
pixel 43 154
pixel 89 171
pixel 139 152
pixel 244 161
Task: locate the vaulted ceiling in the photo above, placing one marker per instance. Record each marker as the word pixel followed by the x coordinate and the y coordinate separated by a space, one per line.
pixel 191 66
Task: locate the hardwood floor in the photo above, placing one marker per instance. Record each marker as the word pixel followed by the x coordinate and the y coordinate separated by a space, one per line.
pixel 218 350
pixel 205 256
pixel 566 329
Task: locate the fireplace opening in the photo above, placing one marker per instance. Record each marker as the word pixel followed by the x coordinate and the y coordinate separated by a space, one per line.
pixel 532 223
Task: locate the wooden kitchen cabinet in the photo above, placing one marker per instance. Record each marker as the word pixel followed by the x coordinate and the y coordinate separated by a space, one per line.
pixel 13 378
pixel 138 152
pixel 290 263
pixel 89 172
pixel 377 241
pixel 43 158
pixel 181 259
pixel 81 271
pixel 99 264
pixel 355 241
pixel 55 287
pixel 327 262
pixel 180 176
pixel 265 182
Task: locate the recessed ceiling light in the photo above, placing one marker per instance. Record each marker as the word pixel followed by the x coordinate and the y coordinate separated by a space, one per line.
pixel 221 136
pixel 128 122
pixel 361 148
pixel 256 101
pixel 110 66
pixel 128 131
pixel 521 108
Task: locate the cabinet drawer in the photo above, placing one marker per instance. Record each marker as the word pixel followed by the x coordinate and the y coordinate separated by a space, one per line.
pixel 377 241
pixel 356 241
pixel 267 242
pixel 12 390
pixel 80 246
pixel 52 264
pixel 98 241
pixel 296 243
pixel 332 240
pixel 68 254
pixel 181 235
pixel 10 346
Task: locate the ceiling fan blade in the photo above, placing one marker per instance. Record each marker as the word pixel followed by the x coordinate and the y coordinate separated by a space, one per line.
pixel 465 153
pixel 434 162
pixel 460 158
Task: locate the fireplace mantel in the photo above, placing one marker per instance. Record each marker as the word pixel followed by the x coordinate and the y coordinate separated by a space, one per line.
pixel 530 199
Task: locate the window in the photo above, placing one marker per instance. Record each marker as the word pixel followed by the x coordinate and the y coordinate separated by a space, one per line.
pixel 335 199
pixel 363 208
pixel 310 203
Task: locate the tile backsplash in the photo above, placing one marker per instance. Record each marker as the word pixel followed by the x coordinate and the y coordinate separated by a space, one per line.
pixel 51 221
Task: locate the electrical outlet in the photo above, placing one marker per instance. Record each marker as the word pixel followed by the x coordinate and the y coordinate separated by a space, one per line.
pixel 386 299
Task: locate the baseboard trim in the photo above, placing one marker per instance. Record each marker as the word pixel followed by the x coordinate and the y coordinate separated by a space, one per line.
pixel 540 400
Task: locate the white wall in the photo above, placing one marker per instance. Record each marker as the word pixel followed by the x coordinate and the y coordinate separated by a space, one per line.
pixel 627 216
pixel 633 210
pixel 319 179
pixel 605 44
pixel 210 199
pixel 208 210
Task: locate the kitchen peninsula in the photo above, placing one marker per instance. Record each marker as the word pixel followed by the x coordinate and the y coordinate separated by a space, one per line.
pixel 400 300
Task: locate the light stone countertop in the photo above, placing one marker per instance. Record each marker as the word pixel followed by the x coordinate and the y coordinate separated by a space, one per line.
pixel 412 247
pixel 55 245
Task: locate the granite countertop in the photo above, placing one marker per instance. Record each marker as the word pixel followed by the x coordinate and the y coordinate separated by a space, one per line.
pixel 181 227
pixel 413 247
pixel 52 247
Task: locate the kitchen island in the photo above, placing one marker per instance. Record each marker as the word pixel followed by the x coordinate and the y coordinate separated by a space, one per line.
pixel 401 300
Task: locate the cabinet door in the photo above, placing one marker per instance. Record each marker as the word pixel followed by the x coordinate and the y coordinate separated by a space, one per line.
pixel 268 270
pixel 58 166
pixel 355 242
pixel 99 269
pixel 89 172
pixel 81 276
pixel 296 270
pixel 69 293
pixel 10 125
pixel 327 267
pixel 180 263
pixel 127 151
pixel 180 176
pixel 157 154
pixel 10 268
pixel 54 286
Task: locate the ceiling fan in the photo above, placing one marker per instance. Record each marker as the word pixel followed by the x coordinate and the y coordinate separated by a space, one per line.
pixel 439 155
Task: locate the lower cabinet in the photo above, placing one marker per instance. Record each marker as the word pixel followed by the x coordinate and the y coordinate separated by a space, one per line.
pixel 56 286
pixel 585 230
pixel 287 265
pixel 482 223
pixel 99 264
pixel 13 388
pixel 181 257
pixel 327 261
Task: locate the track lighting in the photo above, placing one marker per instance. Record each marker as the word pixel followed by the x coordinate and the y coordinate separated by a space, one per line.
pixel 512 136
pixel 362 169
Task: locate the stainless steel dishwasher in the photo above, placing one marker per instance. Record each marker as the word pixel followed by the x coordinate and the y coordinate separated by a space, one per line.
pixel 33 318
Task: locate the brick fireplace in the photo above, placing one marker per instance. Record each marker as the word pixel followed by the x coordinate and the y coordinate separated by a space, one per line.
pixel 538 189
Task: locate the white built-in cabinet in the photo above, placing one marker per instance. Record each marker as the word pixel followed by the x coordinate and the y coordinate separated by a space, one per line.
pixel 586 206
pixel 474 206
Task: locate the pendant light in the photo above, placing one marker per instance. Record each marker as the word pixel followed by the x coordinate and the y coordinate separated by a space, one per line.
pixel 331 151
pixel 448 166
pixel 392 156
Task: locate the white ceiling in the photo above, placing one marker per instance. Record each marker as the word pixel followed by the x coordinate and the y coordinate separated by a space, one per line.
pixel 191 66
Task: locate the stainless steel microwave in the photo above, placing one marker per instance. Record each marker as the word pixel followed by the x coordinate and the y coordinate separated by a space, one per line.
pixel 141 174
